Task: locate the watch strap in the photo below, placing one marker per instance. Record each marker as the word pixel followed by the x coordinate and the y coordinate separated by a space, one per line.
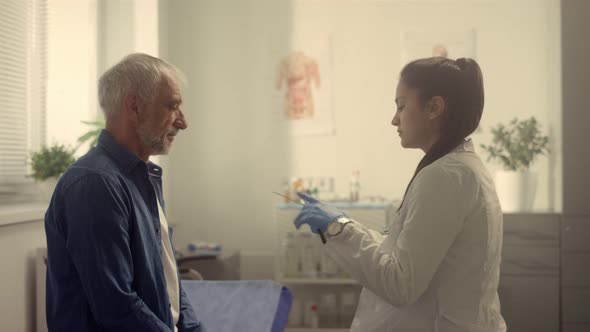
pixel 340 222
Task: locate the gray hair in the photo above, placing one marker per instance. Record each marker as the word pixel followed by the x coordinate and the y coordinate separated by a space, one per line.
pixel 137 72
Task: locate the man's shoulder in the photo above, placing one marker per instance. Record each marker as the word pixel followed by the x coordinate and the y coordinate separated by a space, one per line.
pixel 93 164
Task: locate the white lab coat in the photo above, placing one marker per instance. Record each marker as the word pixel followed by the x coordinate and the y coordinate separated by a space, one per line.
pixel 438 267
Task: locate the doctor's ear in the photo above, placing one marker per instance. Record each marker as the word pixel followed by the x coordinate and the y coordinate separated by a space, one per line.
pixel 435 107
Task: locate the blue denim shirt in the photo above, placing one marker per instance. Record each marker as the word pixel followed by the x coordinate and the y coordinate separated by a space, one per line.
pixel 104 247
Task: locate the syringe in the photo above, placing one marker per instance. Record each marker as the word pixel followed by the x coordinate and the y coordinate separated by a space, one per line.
pixel 322 235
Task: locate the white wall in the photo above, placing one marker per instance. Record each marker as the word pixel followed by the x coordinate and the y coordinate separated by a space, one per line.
pixel 234 155
pixel 71 86
pixel 126 26
pixel 17 284
pixel 517 46
pixel 86 38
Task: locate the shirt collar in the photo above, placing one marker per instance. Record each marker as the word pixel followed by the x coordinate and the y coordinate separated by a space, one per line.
pixel 154 169
pixel 123 157
pixel 466 146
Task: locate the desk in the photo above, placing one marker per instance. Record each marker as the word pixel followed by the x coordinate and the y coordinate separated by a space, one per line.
pixel 222 267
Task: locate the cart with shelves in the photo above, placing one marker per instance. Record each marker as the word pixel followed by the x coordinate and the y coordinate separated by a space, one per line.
pixel 315 281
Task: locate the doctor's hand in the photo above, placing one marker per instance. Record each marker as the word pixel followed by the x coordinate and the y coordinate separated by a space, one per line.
pixel 316 214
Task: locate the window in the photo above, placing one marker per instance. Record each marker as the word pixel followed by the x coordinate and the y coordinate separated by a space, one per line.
pixel 23 79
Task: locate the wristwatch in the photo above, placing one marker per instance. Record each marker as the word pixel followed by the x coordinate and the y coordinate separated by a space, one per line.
pixel 337 226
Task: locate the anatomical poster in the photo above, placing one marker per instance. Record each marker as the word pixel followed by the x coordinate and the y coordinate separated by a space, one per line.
pixel 303 79
pixel 452 44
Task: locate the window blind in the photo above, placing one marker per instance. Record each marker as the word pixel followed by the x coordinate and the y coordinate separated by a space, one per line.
pixel 23 79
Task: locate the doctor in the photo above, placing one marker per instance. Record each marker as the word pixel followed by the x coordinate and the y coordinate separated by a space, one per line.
pixel 437 267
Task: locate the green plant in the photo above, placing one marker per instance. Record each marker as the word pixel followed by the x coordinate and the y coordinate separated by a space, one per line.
pixel 92 133
pixel 517 144
pixel 51 161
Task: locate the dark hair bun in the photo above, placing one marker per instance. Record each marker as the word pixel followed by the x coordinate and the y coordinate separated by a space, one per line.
pixel 465 64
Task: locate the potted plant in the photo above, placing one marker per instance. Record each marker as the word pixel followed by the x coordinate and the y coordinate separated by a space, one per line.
pixel 515 146
pixel 48 164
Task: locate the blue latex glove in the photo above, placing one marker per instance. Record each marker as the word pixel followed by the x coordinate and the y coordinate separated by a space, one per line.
pixel 316 214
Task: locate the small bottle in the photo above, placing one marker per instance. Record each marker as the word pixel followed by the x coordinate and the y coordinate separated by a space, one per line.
pixel 290 262
pixel 329 269
pixel 314 320
pixel 355 186
pixel 315 192
pixel 286 192
pixel 296 315
pixel 309 255
pixel 310 313
pixel 348 302
pixel 328 310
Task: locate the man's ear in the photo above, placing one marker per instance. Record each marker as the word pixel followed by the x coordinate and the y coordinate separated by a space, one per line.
pixel 131 106
pixel 435 107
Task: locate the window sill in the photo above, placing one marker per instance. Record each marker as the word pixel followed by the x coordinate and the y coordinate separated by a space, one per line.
pixel 21 213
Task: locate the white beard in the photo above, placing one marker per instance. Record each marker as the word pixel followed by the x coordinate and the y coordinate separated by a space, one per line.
pixel 154 144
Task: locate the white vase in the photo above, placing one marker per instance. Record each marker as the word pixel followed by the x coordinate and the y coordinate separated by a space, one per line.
pixel 516 190
pixel 46 188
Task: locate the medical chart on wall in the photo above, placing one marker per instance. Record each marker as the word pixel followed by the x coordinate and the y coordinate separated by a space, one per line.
pixel 304 81
pixel 452 44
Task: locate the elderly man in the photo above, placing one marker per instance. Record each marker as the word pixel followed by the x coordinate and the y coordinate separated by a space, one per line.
pixel 110 261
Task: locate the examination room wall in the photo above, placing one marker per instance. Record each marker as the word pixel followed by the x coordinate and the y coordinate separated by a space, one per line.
pixel 517 44
pixel 223 169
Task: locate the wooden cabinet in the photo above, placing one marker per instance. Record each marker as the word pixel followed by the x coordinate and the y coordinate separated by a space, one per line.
pixel 529 273
pixel 575 328
pixel 530 303
pixel 545 273
pixel 575 273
